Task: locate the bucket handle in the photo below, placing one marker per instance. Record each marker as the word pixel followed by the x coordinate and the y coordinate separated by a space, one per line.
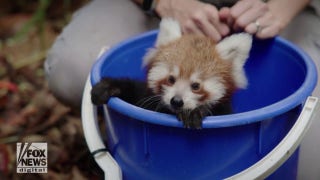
pixel 259 170
pixel 274 159
pixel 93 138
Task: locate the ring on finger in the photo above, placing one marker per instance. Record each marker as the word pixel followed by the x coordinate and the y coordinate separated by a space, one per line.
pixel 258 26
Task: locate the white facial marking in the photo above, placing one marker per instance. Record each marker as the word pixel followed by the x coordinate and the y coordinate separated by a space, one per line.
pixel 181 88
pixel 156 73
pixel 195 77
pixel 215 88
pixel 176 71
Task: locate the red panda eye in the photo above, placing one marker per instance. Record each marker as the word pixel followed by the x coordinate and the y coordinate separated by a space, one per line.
pixel 171 80
pixel 195 86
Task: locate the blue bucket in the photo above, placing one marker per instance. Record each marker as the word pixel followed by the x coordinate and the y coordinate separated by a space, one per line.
pixel 152 145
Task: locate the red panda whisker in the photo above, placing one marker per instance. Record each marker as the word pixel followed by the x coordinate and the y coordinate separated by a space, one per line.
pixel 161 107
pixel 149 101
pixel 208 109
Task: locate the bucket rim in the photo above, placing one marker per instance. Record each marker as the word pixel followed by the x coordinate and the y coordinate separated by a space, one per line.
pixel 230 120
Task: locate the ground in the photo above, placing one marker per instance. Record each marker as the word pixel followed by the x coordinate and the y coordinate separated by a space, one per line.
pixel 28 111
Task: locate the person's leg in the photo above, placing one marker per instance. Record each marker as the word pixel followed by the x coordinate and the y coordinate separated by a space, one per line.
pixel 98 24
pixel 304 31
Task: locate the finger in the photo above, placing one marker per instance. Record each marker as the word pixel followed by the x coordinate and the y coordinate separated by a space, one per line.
pixel 223 29
pixel 254 27
pixel 209 30
pixel 213 22
pixel 190 27
pixel 203 21
pixel 210 19
pixel 250 16
pixel 224 14
pixel 225 17
pixel 239 8
pixel 268 32
pixel 258 25
pixel 269 27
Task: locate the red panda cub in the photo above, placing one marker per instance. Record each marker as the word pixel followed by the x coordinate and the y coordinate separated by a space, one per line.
pixel 190 76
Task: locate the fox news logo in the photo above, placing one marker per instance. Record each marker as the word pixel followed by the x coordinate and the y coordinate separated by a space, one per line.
pixel 32 157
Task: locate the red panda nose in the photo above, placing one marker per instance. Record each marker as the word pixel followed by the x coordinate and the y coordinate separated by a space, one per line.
pixel 176 102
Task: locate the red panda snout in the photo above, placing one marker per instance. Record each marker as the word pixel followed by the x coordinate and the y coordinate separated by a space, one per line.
pixel 176 102
pixel 179 95
pixel 186 94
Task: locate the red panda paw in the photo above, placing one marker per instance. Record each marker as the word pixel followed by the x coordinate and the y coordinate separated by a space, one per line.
pixel 102 91
pixel 196 117
pixel 191 119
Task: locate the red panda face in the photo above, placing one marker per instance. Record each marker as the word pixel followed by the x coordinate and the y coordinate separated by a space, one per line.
pixel 194 76
pixel 188 73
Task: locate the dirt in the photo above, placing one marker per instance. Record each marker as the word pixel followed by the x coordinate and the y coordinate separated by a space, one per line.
pixel 28 110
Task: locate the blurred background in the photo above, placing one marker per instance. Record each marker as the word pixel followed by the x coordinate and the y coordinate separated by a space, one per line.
pixel 28 112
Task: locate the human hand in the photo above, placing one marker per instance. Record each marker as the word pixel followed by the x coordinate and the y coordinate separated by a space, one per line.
pixel 194 17
pixel 254 17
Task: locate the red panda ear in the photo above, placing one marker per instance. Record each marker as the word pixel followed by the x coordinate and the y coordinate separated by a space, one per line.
pixel 147 59
pixel 236 48
pixel 169 31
